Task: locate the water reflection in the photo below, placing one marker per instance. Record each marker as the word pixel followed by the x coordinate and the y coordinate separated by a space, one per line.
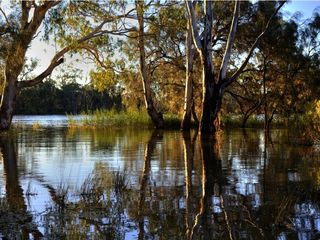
pixel 129 184
pixel 149 151
pixel 15 221
pixel 189 147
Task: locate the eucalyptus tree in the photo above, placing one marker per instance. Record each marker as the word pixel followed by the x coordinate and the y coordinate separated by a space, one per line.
pixel 215 84
pixel 310 44
pixel 155 115
pixel 164 41
pixel 144 48
pixel 153 58
pixel 21 24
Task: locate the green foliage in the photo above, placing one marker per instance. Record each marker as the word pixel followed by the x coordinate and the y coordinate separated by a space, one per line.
pixel 103 79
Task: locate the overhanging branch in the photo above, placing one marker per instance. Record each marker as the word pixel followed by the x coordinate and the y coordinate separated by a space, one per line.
pixel 42 76
pixel 230 80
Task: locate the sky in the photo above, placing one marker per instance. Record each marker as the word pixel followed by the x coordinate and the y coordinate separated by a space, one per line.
pixel 305 7
pixel 44 51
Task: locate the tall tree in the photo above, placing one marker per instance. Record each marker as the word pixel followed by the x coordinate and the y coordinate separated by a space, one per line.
pixel 155 116
pixel 214 85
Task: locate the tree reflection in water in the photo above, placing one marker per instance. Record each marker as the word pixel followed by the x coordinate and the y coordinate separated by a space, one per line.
pixel 15 221
pixel 149 151
pixel 179 186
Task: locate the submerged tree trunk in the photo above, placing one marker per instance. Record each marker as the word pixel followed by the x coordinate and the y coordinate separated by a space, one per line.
pixel 188 97
pixel 155 116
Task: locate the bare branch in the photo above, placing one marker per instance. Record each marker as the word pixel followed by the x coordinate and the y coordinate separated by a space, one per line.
pixel 231 37
pixel 192 20
pixel 5 16
pixel 230 80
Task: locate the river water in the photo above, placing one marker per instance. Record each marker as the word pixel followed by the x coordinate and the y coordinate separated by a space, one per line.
pixel 60 183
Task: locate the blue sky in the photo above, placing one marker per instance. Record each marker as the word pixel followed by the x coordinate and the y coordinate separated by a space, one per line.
pixel 305 7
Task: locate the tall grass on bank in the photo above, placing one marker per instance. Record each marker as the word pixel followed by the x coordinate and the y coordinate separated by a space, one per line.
pixel 107 118
pixel 254 121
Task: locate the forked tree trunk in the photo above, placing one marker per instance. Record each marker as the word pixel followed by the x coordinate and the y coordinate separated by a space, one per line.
pixel 155 116
pixel 213 89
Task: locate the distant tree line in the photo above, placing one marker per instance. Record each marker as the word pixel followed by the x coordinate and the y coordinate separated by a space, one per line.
pixel 71 98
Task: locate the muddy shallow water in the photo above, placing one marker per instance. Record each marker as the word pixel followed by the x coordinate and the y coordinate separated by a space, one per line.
pixel 60 183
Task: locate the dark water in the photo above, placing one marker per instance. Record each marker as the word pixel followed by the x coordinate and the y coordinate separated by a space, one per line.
pixel 57 183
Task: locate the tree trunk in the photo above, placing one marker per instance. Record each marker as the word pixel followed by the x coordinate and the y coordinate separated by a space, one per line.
pixel 155 116
pixel 244 120
pixel 8 104
pixel 211 104
pixel 265 107
pixel 194 114
pixel 15 59
pixel 188 97
pixel 13 67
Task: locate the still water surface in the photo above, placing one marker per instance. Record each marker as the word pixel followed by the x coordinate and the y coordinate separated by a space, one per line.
pixel 60 183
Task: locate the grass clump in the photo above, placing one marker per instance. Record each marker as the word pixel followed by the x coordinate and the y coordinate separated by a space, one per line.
pixel 106 118
pixel 236 121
